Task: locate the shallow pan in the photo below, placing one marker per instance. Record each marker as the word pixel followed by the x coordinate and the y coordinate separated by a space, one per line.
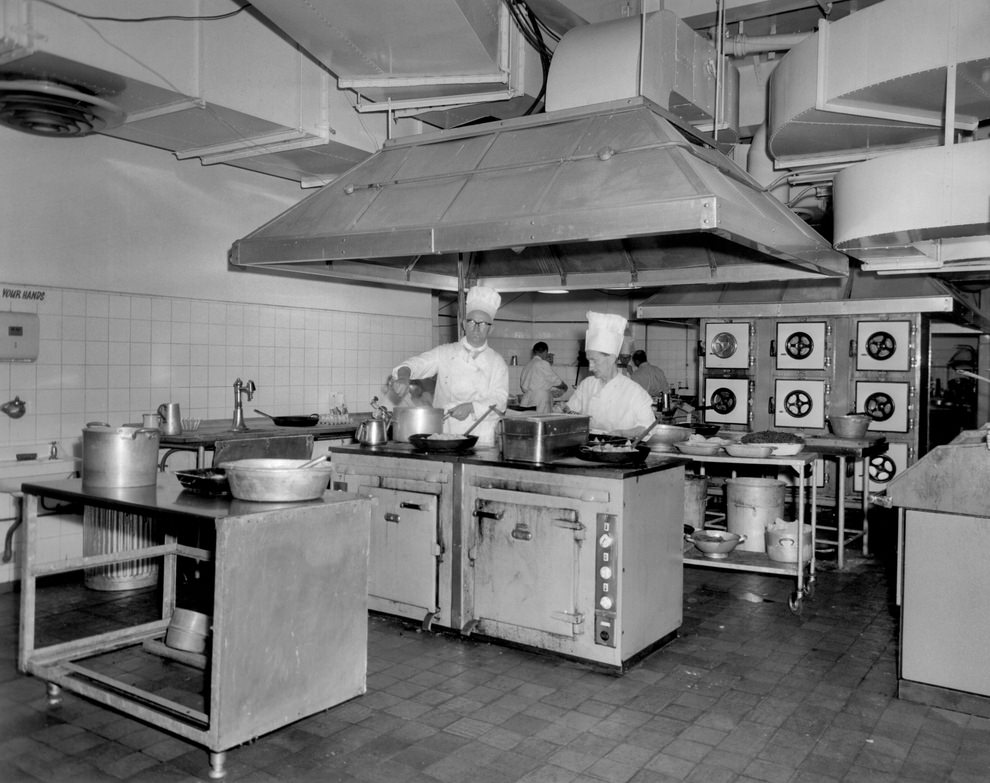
pixel 592 454
pixel 205 481
pixel 292 421
pixel 276 480
pixel 425 441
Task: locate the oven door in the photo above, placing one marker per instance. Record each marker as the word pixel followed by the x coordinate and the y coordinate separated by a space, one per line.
pixel 527 562
pixel 404 554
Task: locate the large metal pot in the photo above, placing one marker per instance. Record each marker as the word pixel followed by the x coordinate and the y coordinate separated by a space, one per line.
pixel 415 421
pixel 125 456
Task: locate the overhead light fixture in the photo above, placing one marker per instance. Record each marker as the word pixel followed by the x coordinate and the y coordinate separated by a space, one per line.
pixel 552 291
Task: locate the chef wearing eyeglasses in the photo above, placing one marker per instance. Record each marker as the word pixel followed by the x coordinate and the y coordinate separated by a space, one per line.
pixel 471 375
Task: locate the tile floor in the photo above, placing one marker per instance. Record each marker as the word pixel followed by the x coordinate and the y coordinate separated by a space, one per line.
pixel 748 692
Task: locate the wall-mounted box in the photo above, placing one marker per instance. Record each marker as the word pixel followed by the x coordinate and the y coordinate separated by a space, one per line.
pixel 19 337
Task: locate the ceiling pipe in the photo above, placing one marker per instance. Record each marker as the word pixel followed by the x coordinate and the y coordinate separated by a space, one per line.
pixel 742 45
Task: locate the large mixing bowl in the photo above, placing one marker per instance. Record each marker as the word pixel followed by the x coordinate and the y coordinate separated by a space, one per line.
pixel 276 480
pixel 853 425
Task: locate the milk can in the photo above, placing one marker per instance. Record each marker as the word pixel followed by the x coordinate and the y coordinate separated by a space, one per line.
pixel 125 456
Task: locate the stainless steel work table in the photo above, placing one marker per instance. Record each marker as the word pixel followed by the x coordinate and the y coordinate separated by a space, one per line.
pixel 843 449
pixel 289 613
pixel 802 464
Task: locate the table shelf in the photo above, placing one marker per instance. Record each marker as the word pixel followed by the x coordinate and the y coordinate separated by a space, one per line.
pixel 801 464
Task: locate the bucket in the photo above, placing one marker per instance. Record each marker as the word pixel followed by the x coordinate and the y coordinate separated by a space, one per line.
pixel 188 630
pixel 695 499
pixel 751 504
pixel 781 539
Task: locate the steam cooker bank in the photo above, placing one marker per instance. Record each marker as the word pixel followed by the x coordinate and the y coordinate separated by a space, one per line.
pixel 525 541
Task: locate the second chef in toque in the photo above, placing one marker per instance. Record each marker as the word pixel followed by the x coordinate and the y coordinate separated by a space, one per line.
pixel 616 404
pixel 471 375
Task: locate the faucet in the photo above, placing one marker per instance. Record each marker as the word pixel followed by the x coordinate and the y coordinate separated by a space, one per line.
pixel 238 425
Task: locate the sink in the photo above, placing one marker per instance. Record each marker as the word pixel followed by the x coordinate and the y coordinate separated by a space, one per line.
pixel 13 473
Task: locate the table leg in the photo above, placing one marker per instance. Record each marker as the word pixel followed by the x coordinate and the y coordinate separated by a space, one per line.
pixel 866 507
pixel 840 502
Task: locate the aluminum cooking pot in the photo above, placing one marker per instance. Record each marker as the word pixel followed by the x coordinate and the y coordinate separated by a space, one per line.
pixel 125 456
pixel 415 421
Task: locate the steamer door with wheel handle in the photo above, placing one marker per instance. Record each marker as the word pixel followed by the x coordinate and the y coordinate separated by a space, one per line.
pixel 727 345
pixel 727 400
pixel 882 468
pixel 883 345
pixel 800 346
pixel 886 403
pixel 799 403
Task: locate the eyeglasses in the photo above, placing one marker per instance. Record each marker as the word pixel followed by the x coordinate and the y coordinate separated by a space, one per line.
pixel 478 324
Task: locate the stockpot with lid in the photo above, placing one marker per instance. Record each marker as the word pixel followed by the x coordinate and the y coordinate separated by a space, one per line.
pixel 124 456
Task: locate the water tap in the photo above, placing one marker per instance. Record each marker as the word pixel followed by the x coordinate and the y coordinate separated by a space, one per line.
pixel 237 424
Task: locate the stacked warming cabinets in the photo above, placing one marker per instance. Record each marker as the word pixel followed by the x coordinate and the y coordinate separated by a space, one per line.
pixel 790 374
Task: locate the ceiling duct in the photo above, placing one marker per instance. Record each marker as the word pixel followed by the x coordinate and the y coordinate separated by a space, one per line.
pixel 54 110
pixel 619 193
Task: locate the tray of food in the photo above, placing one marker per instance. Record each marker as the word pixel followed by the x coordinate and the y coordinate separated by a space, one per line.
pixel 613 452
pixel 784 444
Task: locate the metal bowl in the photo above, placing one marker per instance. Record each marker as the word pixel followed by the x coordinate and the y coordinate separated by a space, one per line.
pixel 853 425
pixel 427 441
pixel 715 544
pixel 707 430
pixel 276 480
pixel 668 433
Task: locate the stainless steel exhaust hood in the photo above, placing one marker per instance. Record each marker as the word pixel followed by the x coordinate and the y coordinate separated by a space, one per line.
pixel 614 194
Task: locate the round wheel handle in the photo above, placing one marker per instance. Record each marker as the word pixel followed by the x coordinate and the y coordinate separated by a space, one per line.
pixel 882 469
pixel 798 403
pixel 723 401
pixel 799 345
pixel 879 406
pixel 881 345
pixel 724 345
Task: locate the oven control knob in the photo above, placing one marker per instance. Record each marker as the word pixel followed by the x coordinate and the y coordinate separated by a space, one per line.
pixel 605 540
pixel 605 572
pixel 605 602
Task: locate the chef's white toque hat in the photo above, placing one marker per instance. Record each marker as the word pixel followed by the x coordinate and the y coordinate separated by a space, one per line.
pixel 605 333
pixel 483 298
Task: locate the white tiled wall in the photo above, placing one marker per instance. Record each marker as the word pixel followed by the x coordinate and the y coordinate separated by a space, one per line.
pixel 111 357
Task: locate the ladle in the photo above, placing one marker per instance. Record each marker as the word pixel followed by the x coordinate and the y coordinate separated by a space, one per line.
pixel 644 433
pixel 313 462
pixel 480 419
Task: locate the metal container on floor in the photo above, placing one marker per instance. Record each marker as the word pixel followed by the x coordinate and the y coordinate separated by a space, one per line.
pixel 751 505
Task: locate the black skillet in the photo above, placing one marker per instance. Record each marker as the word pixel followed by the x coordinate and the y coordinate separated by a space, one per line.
pixel 292 421
pixel 447 444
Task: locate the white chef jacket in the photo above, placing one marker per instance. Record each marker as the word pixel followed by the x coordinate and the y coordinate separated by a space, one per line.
pixel 537 382
pixel 620 404
pixel 465 374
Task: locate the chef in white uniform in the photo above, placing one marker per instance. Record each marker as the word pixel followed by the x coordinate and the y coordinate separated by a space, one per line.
pixel 616 404
pixel 471 375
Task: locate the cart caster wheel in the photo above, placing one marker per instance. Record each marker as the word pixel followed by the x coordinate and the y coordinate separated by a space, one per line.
pixel 795 603
pixel 54 694
pixel 218 763
pixel 809 590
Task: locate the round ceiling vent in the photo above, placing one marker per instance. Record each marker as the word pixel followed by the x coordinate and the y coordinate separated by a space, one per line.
pixel 47 108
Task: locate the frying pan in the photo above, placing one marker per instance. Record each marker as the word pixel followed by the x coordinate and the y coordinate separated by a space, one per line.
pixel 292 421
pixel 449 444
pixel 591 454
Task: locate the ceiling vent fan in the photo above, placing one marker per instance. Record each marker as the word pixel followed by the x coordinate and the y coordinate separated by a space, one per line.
pixel 48 108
